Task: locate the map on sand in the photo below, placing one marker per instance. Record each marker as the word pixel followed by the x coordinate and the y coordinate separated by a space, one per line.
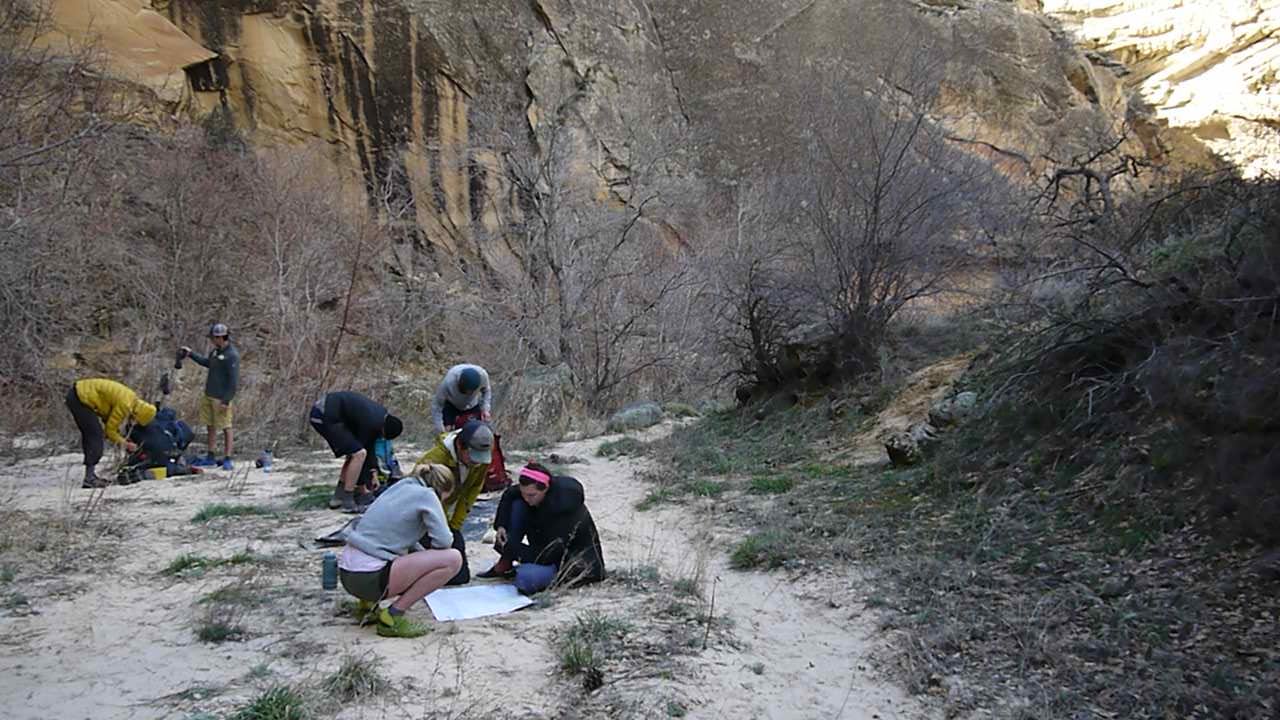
pixel 475 601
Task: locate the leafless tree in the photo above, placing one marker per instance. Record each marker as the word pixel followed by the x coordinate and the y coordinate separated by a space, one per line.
pixel 873 209
pixel 894 209
pixel 757 301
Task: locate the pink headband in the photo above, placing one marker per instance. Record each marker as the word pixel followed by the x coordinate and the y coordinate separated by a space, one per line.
pixel 537 476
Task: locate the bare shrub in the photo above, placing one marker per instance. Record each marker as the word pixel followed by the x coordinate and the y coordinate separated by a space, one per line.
pixel 52 109
pixel 123 243
pixel 877 209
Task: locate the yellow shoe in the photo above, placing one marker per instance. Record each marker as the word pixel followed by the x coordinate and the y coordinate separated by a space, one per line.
pixel 399 626
pixel 364 610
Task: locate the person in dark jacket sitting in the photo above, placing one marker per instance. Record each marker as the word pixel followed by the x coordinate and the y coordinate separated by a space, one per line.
pixel 543 525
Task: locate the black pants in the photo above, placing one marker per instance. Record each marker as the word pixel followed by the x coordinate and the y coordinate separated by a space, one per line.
pixel 91 434
pixel 464 573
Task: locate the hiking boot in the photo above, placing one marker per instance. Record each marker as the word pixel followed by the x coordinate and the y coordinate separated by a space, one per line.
pixel 226 463
pixel 93 481
pixel 364 500
pixel 346 500
pixel 399 626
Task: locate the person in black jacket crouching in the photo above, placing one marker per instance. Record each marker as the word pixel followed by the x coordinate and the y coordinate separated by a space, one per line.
pixel 545 533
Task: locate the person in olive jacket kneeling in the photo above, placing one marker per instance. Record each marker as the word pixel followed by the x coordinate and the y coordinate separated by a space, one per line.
pixel 545 533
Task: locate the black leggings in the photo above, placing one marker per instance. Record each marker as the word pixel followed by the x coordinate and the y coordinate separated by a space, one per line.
pixel 464 573
pixel 91 435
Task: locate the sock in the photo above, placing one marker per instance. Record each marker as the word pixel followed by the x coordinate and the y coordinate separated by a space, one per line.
pixel 395 611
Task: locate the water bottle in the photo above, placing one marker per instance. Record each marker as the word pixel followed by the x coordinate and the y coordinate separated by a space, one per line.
pixel 329 572
pixel 264 460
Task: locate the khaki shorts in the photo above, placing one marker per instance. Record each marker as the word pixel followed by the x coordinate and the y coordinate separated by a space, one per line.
pixel 214 415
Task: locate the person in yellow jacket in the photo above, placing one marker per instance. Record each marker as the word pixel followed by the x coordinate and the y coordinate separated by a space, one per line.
pixel 466 451
pixel 99 406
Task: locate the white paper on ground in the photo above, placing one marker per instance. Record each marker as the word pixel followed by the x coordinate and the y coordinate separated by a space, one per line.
pixel 475 601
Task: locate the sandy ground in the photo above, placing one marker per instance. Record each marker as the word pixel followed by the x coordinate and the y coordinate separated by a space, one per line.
pixel 103 635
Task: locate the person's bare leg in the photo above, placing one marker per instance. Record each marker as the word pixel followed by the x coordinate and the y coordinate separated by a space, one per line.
pixel 351 470
pixel 416 575
pixel 226 441
pixel 213 436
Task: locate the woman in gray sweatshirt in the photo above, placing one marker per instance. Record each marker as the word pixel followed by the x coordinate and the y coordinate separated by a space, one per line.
pixel 385 558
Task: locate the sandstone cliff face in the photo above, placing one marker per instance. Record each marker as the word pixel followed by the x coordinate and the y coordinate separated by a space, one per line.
pixel 416 90
pixel 136 43
pixel 1209 66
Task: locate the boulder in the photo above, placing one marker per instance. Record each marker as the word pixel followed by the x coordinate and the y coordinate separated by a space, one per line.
pixel 908 446
pixel 951 411
pixel 636 416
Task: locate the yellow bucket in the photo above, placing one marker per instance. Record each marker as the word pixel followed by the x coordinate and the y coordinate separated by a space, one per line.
pixel 158 473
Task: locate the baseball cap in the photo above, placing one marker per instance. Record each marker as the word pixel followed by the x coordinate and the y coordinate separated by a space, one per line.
pixel 477 437
pixel 219 330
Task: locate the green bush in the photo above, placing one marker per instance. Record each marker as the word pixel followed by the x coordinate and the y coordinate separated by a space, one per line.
pixel 278 703
pixel 768 549
pixel 621 446
pixel 220 510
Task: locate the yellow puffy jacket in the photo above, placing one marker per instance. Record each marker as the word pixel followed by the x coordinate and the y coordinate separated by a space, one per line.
pixel 459 504
pixel 114 403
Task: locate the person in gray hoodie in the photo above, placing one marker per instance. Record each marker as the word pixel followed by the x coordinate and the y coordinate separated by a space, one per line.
pixel 384 556
pixel 464 394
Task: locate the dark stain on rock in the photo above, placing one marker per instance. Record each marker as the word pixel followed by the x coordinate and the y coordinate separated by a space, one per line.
pixel 428 59
pixel 317 36
pixel 217 23
pixel 352 67
pixel 477 179
pixel 393 68
pixel 248 94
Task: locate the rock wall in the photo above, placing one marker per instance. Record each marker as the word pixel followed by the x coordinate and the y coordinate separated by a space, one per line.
pixel 1211 67
pixel 415 90
pixel 369 81
pixel 137 44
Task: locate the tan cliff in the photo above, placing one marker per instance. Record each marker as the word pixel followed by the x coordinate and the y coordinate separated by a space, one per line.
pixel 1208 66
pixel 406 98
pixel 136 43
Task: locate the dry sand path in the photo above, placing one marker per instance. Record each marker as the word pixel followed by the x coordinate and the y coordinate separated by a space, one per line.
pixel 111 639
